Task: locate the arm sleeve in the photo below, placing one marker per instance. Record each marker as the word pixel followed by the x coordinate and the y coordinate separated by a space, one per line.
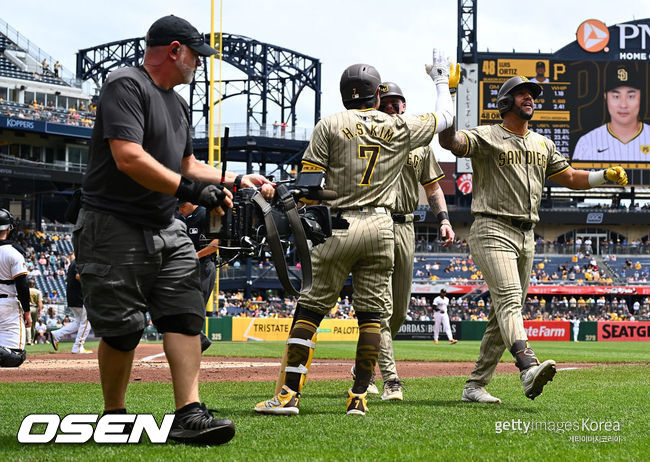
pixel 445 108
pixel 22 289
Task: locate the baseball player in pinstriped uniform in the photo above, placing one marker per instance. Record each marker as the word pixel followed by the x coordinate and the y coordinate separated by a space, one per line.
pixel 510 165
pixel 14 298
pixel 625 138
pixel 421 168
pixel 362 151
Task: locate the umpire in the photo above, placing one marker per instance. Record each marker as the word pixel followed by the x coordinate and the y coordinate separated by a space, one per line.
pixel 133 256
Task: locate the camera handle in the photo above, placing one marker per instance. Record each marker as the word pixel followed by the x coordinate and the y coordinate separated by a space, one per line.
pixel 273 238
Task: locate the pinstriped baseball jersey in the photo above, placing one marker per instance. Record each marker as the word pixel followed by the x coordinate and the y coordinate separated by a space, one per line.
pixel 363 152
pixel 421 167
pixel 600 144
pixel 509 170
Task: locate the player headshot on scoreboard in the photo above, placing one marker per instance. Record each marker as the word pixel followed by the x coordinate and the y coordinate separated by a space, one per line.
pixel 540 73
pixel 624 138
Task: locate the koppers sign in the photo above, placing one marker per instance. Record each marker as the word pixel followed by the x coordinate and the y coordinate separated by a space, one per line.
pixel 623 331
pixel 548 330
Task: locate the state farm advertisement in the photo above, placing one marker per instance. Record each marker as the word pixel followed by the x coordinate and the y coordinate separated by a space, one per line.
pixel 623 331
pixel 548 330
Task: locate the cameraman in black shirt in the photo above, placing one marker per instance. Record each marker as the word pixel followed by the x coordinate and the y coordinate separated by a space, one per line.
pixel 133 256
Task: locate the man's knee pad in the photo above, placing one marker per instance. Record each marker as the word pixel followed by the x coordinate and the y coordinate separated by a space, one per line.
pixel 11 358
pixel 125 342
pixel 186 323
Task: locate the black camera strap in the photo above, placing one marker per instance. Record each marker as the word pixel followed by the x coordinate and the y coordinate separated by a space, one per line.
pixel 273 237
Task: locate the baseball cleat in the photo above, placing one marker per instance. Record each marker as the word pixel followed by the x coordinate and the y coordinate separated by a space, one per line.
pixel 534 378
pixel 393 390
pixel 284 403
pixel 357 404
pixel 453 341
pixel 479 395
pixel 372 387
pixel 53 342
pixel 81 351
pixel 198 426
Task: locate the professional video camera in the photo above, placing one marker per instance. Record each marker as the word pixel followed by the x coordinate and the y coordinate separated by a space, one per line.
pixel 253 226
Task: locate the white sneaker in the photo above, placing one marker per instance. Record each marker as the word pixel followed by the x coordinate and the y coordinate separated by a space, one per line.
pixel 372 388
pixel 534 378
pixel 479 395
pixel 393 390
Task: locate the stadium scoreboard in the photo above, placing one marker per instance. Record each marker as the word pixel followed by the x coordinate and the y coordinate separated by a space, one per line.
pixel 552 116
pixel 572 104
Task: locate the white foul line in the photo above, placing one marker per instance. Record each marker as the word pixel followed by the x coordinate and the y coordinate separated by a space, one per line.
pixel 149 358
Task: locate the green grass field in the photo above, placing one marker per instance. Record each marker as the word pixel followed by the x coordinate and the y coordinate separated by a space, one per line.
pixel 431 424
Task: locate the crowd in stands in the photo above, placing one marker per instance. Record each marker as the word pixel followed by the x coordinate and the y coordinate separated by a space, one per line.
pixel 82 117
pixel 568 246
pixel 587 308
pixel 48 256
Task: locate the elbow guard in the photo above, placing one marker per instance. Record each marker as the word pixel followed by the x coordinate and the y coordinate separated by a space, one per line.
pixel 22 291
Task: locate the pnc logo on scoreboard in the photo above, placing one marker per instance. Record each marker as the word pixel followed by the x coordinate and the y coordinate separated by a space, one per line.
pixel 593 35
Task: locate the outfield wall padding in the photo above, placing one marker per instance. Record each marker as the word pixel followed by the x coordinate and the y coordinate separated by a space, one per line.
pixel 219 329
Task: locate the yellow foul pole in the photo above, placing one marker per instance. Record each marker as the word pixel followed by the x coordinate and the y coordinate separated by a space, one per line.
pixel 211 138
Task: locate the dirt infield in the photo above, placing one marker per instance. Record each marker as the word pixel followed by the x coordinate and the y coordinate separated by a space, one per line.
pixel 150 365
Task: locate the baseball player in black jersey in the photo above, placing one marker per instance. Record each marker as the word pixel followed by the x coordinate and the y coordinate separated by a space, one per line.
pixel 510 164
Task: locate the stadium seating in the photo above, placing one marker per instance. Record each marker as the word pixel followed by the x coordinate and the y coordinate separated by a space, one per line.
pixel 632 269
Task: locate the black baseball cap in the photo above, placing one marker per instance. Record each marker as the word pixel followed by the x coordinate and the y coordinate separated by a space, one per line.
pixel 540 64
pixel 622 75
pixel 172 28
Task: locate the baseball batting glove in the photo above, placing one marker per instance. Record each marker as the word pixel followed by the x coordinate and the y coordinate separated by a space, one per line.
pixel 616 175
pixel 208 195
pixel 454 77
pixel 439 70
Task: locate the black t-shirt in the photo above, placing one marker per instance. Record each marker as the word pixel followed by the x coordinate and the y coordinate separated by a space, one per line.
pixel 73 287
pixel 197 225
pixel 131 107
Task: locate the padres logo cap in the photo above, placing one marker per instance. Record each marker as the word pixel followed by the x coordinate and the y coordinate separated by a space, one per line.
pixel 172 28
pixel 622 75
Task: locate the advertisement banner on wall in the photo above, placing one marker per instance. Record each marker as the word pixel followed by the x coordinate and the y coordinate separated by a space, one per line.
pixel 260 329
pixel 623 331
pixel 274 330
pixel 548 330
pixel 423 330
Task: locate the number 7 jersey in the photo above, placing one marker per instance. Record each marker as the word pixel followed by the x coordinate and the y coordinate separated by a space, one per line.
pixel 363 152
